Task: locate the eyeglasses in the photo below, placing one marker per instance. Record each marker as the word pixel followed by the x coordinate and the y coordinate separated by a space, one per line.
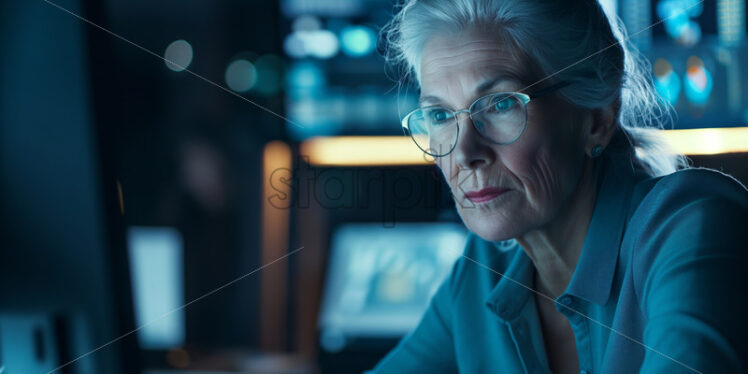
pixel 498 117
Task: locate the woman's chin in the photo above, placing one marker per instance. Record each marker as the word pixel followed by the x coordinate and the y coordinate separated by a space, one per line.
pixel 490 229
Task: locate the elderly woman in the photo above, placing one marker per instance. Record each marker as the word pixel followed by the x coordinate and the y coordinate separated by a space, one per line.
pixel 592 249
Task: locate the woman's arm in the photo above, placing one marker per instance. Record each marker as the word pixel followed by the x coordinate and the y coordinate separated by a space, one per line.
pixel 429 348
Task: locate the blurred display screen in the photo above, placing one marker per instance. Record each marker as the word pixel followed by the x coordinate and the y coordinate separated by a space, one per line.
pixel 698 54
pixel 380 279
pixel 156 265
pixel 336 83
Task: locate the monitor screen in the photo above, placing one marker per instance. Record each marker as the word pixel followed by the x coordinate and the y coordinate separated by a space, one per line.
pixel 380 279
pixel 157 277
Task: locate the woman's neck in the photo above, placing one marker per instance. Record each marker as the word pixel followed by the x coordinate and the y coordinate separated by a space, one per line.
pixel 555 248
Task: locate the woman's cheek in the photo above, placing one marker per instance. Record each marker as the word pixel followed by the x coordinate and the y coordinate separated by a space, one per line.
pixel 448 171
pixel 540 177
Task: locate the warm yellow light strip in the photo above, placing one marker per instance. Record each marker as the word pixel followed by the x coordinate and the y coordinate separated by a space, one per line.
pixel 363 151
pixel 275 233
pixel 400 150
pixel 708 141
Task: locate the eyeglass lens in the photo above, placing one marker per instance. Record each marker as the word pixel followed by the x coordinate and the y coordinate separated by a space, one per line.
pixel 499 118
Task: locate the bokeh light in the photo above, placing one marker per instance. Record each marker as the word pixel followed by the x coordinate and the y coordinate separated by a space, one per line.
pixel 357 41
pixel 697 81
pixel 311 43
pixel 306 23
pixel 178 55
pixel 667 82
pixel 241 75
pixel 305 75
pixel 294 46
pixel 269 74
pixel 731 22
pixel 676 15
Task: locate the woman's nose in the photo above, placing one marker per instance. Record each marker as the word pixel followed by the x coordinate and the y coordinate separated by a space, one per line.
pixel 472 151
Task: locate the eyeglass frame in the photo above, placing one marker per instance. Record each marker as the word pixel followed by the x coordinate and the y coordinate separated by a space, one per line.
pixel 524 98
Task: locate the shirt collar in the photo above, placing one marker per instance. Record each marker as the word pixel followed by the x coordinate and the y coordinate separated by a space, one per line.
pixel 593 277
pixel 511 292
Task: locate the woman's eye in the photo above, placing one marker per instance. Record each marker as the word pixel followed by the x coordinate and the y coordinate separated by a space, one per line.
pixel 439 116
pixel 503 104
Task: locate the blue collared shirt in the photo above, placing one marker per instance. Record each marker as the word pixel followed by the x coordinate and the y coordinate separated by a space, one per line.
pixel 660 287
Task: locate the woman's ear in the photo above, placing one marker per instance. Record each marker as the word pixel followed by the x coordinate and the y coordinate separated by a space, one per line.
pixel 604 122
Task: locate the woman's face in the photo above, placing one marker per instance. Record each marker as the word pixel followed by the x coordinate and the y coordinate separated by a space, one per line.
pixel 538 173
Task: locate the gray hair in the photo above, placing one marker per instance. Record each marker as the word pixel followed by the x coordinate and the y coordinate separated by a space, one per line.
pixel 571 41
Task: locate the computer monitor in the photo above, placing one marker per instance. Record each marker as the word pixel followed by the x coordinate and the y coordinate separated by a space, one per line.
pixel 64 289
pixel 380 279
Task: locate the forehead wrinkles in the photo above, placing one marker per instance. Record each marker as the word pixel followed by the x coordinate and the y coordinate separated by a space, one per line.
pixel 442 52
pixel 449 63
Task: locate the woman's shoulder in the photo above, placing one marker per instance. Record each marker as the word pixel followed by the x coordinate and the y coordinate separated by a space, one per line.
pixel 693 196
pixel 686 214
pixel 683 223
pixel 663 196
pixel 709 181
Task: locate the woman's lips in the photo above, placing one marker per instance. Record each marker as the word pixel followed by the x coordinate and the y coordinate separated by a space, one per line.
pixel 486 194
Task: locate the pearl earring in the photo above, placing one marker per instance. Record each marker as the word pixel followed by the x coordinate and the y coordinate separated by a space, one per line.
pixel 596 151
